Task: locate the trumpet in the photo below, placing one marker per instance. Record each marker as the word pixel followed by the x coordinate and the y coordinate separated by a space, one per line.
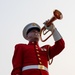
pixel 56 15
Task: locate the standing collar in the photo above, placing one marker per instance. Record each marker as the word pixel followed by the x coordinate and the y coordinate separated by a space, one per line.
pixel 33 43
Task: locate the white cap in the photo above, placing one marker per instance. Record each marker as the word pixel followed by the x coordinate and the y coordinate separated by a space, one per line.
pixel 29 27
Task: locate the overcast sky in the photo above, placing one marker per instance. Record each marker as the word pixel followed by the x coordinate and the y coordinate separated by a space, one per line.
pixel 15 14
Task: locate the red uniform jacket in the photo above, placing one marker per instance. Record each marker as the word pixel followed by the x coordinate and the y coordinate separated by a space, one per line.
pixel 33 54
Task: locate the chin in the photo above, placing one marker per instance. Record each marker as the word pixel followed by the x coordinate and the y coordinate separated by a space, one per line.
pixel 36 39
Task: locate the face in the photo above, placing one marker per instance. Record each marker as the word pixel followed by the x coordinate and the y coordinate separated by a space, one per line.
pixel 33 35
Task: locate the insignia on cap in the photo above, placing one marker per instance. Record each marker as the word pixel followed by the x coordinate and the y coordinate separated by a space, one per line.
pixel 33 24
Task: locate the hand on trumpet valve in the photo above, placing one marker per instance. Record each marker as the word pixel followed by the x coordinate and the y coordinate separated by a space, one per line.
pixel 48 26
pixel 47 23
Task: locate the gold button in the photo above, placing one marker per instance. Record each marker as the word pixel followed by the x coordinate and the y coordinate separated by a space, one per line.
pixel 36 48
pixel 38 54
pixel 40 62
pixel 39 58
pixel 37 51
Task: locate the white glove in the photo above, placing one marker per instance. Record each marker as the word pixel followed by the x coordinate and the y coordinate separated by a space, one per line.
pixel 51 27
pixel 56 35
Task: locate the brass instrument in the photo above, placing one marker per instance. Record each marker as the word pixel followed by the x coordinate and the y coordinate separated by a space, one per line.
pixel 57 15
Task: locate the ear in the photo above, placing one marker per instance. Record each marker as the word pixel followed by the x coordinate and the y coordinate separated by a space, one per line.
pixel 27 37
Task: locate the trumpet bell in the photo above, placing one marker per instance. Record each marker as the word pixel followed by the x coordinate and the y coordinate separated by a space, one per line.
pixel 58 14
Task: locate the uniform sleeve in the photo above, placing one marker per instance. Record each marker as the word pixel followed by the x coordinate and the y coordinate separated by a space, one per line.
pixel 56 48
pixel 17 60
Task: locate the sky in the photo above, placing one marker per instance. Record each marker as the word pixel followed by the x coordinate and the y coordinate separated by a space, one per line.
pixel 15 14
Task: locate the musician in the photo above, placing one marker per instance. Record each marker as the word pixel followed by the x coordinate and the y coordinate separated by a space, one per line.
pixel 31 59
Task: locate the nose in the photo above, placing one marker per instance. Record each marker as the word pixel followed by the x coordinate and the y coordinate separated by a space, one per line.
pixel 36 32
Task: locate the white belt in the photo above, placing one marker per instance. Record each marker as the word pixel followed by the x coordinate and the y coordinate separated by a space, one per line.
pixel 41 67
